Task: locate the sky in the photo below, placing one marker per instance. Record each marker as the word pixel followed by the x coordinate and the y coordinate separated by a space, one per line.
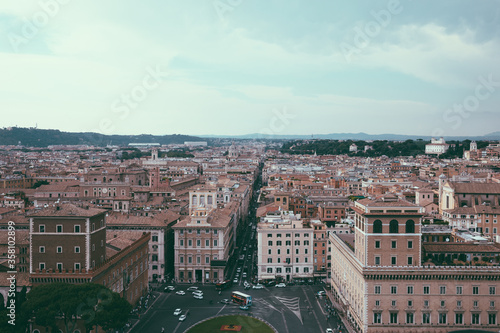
pixel 234 67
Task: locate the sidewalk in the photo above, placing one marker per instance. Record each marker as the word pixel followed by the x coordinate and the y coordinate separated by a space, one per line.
pixel 340 312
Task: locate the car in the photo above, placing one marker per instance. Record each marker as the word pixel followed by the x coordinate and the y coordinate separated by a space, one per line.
pixel 225 301
pixel 180 292
pixel 182 318
pixel 329 330
pixel 177 312
pixel 280 285
pixel 238 269
pixel 244 307
pixel 169 289
pixel 198 296
pixel 192 288
pixel 258 286
pixel 244 275
pixel 235 280
pixel 197 292
pixel 321 293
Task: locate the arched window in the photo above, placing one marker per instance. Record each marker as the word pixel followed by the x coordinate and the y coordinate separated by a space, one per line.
pixel 377 227
pixel 393 227
pixel 410 227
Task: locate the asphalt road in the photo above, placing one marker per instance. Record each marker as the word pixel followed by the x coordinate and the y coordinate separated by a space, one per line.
pixel 290 310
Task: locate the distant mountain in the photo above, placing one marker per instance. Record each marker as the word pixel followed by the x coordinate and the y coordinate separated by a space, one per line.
pixel 45 137
pixel 354 136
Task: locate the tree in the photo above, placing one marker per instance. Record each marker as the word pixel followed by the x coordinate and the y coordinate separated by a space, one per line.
pixel 92 303
pixel 40 183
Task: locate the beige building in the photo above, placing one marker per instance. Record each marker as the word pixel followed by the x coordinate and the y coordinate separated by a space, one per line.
pixel 382 286
pixel 284 247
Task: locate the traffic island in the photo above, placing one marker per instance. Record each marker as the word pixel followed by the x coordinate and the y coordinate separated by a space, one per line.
pixel 246 324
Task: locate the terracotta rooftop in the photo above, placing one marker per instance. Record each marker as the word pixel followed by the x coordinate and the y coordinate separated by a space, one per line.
pixel 69 210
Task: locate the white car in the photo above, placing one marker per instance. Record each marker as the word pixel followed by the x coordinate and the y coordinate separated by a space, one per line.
pixel 177 312
pixel 192 288
pixel 329 330
pixel 198 296
pixel 198 292
pixel 182 318
pixel 180 292
pixel 235 280
pixel 258 286
pixel 280 285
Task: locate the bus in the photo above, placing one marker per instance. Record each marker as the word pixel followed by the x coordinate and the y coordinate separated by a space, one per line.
pixel 223 285
pixel 241 298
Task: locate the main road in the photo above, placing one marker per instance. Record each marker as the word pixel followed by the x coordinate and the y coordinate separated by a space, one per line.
pixel 290 309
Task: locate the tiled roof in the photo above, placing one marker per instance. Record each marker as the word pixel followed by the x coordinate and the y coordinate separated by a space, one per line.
pixel 69 210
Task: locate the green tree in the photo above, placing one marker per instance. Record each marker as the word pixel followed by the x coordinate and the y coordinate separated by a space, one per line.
pixel 90 302
pixel 40 183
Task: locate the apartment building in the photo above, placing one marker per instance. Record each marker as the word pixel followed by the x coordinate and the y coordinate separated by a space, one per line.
pixel 284 247
pixel 382 286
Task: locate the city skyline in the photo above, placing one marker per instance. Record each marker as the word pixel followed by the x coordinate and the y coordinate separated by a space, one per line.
pixel 240 67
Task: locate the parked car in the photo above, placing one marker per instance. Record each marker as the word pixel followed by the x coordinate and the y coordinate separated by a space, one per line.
pixel 180 292
pixel 280 285
pixel 258 286
pixel 235 280
pixel 244 275
pixel 192 288
pixel 177 312
pixel 329 330
pixel 182 318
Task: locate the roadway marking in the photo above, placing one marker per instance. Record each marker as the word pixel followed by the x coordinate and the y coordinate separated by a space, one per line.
pixel 265 303
pixel 284 321
pixel 221 309
pixel 314 312
pixel 293 304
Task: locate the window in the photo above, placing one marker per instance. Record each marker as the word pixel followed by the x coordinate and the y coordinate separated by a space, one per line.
pixel 443 304
pixel 377 227
pixel 410 290
pixel 207 242
pixel 377 289
pixel 426 303
pixel 409 317
pixel 269 270
pixel 215 242
pixel 269 251
pixel 394 317
pixel 377 244
pixel 459 318
pixel 393 227
pixel 427 290
pixel 198 242
pixel 474 304
pixel 377 260
pixel 442 318
pixel 269 235
pixel 181 242
pixel 41 266
pixel 377 318
pixel 393 260
pixel 410 303
pixel 459 304
pixel 77 228
pixel 270 243
pixel 154 238
pixel 410 227
pixel 59 266
pixel 394 289
pixel 492 318
pixel 190 242
pixel 269 260
pixel 190 260
pixel 492 304
pixel 410 260
pixel 41 228
pixel 442 290
pixel 77 266
pixel 426 318
pixel 459 290
pixel 59 228
pixel 393 244
pixel 492 290
pixel 278 243
pixel 181 259
pixel 475 319
pixel 410 244
pixel 475 290
pixel 377 302
pixel 59 249
pixel 288 243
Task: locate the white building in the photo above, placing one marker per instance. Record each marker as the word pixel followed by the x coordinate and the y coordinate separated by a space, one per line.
pixel 438 146
pixel 285 247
